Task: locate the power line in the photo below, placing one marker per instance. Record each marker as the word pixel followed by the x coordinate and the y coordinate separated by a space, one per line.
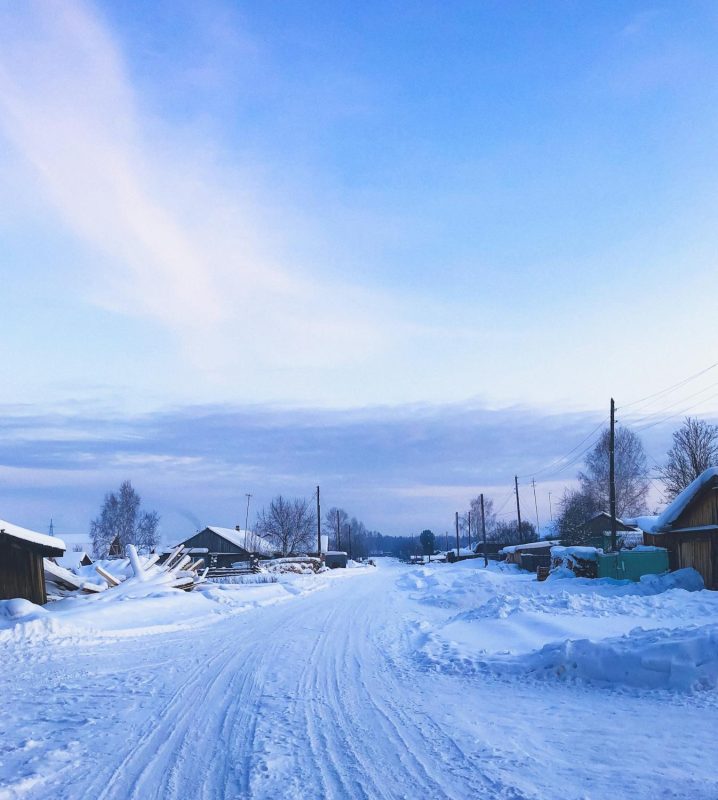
pixel 670 388
pixel 677 413
pixel 652 414
pixel 557 461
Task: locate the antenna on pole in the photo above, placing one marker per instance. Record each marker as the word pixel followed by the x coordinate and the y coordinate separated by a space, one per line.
pixel 246 520
pixel 538 526
pixel 483 530
pixel 612 475
pixel 518 506
pixel 319 527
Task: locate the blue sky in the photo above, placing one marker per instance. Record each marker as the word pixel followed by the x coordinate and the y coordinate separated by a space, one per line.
pixel 340 209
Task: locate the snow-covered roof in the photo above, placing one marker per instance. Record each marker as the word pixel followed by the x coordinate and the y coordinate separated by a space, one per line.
pixel 31 536
pixel 671 513
pixel 577 551
pixel 513 548
pixel 627 523
pixel 663 521
pixel 248 540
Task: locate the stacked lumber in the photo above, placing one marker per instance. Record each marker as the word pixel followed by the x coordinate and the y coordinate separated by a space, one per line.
pixel 61 581
pixel 179 571
pixel 300 565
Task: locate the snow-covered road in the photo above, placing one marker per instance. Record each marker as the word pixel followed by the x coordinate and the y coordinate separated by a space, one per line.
pixel 324 697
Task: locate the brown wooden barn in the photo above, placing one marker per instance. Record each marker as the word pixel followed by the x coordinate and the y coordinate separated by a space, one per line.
pixel 222 547
pixel 21 562
pixel 688 528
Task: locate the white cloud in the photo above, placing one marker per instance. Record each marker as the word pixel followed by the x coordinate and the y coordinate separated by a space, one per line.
pixel 173 243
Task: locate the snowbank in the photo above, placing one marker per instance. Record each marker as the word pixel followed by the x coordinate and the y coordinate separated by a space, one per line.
pixel 681 660
pixel 497 622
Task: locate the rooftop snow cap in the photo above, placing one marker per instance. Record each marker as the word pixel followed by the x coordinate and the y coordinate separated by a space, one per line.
pixel 32 537
pixel 678 506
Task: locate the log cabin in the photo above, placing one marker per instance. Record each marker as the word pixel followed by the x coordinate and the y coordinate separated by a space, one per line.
pixel 688 528
pixel 22 552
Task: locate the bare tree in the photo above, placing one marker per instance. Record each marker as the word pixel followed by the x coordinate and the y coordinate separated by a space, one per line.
pixel 631 473
pixel 289 524
pixel 695 448
pixel 490 516
pixel 335 521
pixel 120 517
pixel 508 532
pixel 575 508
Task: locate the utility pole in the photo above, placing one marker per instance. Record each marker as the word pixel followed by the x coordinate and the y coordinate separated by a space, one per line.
pixel 483 531
pixel 457 535
pixel 339 532
pixel 447 540
pixel 538 526
pixel 518 506
pixel 349 534
pixel 246 520
pixel 468 525
pixel 319 527
pixel 612 474
pixel 550 507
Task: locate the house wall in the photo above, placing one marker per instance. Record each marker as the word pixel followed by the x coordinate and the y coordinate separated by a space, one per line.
pixel 21 574
pixel 702 510
pixel 691 549
pixel 696 550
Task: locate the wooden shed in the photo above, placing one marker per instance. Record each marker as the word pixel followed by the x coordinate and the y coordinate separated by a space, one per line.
pixel 222 547
pixel 688 528
pixel 21 562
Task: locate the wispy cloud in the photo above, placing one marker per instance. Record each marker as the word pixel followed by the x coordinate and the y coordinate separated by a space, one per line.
pixel 395 468
pixel 174 240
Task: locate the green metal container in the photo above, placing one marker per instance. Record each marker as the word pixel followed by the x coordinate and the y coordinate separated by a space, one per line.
pixel 632 564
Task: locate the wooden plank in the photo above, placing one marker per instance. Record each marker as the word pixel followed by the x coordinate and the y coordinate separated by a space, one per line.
pixel 111 580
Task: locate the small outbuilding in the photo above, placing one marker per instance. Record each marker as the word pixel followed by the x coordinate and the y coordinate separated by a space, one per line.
pixel 688 528
pixel 335 559
pixel 22 572
pixel 529 555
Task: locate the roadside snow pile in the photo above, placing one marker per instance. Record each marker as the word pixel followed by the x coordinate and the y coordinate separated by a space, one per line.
pixel 683 660
pixel 23 621
pixel 656 633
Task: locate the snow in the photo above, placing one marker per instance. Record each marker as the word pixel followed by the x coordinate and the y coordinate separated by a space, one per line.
pixel 674 509
pixel 654 524
pixel 31 536
pixel 252 541
pixel 71 559
pixel 576 551
pixel 512 548
pixel 441 680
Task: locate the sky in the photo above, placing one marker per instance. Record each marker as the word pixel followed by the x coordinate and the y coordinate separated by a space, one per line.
pixel 405 250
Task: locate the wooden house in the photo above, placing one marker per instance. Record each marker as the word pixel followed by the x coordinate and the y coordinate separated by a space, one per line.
pixel 222 547
pixel 597 532
pixel 22 571
pixel 688 528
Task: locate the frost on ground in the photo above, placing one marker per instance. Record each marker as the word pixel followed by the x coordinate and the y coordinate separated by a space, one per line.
pixel 401 682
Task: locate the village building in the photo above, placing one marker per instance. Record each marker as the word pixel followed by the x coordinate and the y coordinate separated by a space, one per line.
pixel 22 571
pixel 688 528
pixel 530 555
pixel 597 530
pixel 221 547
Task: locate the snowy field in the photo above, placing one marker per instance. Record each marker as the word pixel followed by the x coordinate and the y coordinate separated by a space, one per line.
pixel 396 682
